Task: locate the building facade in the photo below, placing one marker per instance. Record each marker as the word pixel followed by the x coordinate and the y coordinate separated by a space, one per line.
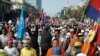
pixel 10 9
pixel 5 8
pixel 36 3
pixel 16 4
pixel 39 4
pixel 31 2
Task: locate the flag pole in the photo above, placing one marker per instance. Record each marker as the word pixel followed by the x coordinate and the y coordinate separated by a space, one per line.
pixel 98 17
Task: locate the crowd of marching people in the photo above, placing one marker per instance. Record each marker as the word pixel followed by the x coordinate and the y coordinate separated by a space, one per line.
pixel 53 38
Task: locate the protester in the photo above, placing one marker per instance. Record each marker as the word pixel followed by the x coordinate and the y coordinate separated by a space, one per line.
pixel 11 34
pixel 39 36
pixel 55 50
pixel 28 50
pixel 3 37
pixel 10 50
pixel 45 40
pixel 39 40
pixel 56 34
pixel 34 36
pixel 75 37
pixel 78 43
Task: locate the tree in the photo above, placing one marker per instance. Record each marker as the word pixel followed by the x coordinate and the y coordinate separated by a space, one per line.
pixel 74 11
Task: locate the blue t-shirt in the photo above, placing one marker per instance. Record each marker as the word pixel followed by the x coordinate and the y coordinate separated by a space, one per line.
pixel 56 51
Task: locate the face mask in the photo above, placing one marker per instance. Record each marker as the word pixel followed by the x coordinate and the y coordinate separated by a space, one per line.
pixel 32 29
pixel 28 46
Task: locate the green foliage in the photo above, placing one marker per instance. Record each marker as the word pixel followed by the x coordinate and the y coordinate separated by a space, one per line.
pixel 77 12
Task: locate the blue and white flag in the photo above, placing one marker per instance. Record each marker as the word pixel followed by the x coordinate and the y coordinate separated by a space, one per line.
pixel 21 26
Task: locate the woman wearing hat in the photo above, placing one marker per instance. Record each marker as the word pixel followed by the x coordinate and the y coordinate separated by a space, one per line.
pixel 10 50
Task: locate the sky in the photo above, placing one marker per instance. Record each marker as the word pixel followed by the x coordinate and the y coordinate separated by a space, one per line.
pixel 51 7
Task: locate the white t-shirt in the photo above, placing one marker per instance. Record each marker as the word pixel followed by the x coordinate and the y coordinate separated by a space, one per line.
pixel 11 51
pixel 3 39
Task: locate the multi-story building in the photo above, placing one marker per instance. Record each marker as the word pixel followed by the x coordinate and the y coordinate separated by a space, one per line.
pixel 10 8
pixel 39 4
pixel 16 4
pixel 32 2
pixel 5 7
pixel 29 5
pixel 36 3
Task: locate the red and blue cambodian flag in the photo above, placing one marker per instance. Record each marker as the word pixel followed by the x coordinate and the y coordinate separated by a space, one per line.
pixel 93 10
